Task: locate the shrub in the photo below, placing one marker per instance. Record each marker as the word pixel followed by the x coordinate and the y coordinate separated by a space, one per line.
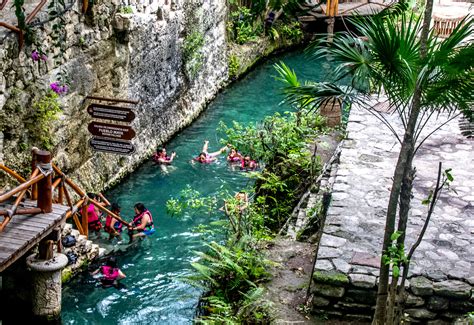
pixel 192 53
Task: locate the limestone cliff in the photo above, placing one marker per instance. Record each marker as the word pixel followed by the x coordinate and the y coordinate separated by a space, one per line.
pixel 129 49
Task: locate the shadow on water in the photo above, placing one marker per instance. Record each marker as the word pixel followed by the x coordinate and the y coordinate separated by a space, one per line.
pixel 154 292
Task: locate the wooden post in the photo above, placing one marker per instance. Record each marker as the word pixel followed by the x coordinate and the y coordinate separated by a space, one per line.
pixel 85 219
pixel 331 12
pixel 61 193
pixel 34 187
pixel 45 186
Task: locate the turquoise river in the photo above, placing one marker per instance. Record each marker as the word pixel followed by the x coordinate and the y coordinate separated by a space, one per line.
pixel 154 292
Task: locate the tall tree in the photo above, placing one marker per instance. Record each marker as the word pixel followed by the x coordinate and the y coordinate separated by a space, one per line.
pixel 419 73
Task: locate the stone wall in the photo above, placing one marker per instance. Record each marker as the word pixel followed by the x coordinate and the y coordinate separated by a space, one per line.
pixel 112 54
pixel 351 296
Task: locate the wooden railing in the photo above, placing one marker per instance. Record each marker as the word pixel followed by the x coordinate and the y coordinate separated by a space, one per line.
pixel 46 180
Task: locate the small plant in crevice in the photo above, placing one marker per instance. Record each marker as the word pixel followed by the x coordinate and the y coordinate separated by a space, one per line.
pixel 234 66
pixel 45 111
pixel 192 53
pixel 126 10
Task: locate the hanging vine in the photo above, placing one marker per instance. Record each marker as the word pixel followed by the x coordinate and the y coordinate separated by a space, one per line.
pixel 58 36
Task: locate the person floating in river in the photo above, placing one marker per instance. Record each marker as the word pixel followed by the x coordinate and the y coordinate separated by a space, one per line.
pixel 142 224
pixel 205 157
pixel 160 157
pixel 93 212
pixel 110 273
pixel 248 164
pixel 112 225
pixel 234 156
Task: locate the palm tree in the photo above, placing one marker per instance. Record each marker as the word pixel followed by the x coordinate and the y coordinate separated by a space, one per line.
pixel 419 73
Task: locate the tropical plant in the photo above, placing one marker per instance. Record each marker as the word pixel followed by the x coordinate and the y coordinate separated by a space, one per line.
pixel 231 274
pixel 420 74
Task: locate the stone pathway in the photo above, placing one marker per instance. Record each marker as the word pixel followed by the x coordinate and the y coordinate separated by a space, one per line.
pixel 353 232
pixel 356 218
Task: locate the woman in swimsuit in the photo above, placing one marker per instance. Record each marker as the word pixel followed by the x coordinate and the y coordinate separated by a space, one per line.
pixel 160 157
pixel 234 156
pixel 205 157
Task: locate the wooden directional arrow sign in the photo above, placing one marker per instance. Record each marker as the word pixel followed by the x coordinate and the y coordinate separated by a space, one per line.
pixel 108 112
pixel 113 131
pixel 120 147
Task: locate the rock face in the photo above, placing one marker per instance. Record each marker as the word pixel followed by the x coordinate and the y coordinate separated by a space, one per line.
pixel 108 53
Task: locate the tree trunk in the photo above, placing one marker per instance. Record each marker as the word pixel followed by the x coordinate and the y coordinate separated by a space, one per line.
pixel 401 170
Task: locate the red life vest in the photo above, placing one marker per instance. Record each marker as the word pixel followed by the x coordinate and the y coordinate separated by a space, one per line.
pixel 109 273
pixel 117 225
pixel 138 220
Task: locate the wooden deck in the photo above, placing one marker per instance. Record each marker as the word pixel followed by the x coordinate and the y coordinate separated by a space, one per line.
pixel 25 231
pixel 361 8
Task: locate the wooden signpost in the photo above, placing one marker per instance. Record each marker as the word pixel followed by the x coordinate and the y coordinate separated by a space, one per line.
pixel 114 131
pixel 121 147
pixel 114 113
pixel 107 137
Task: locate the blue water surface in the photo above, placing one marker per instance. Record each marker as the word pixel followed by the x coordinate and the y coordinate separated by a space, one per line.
pixel 154 292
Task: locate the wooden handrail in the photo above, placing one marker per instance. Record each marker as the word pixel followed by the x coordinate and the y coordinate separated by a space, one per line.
pixel 76 188
pixel 105 210
pixel 22 211
pixel 11 212
pixel 75 208
pixel 12 173
pixel 21 187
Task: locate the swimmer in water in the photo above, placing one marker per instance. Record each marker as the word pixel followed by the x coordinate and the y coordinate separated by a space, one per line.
pixel 110 273
pixel 205 157
pixel 234 156
pixel 160 157
pixel 248 164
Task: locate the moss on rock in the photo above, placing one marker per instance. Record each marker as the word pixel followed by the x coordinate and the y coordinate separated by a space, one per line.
pixel 331 277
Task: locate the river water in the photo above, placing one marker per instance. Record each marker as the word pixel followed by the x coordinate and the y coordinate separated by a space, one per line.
pixel 154 292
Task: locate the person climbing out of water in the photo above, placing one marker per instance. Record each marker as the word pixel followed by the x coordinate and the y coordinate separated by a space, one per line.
pixel 205 157
pixel 142 223
pixel 234 156
pixel 160 156
pixel 248 164
pixel 93 212
pixel 110 273
pixel 112 225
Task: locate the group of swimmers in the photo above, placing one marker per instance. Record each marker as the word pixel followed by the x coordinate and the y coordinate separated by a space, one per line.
pixel 139 227
pixel 205 157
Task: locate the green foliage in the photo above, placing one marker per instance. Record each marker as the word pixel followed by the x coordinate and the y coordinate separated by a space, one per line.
pixel 395 255
pixel 241 26
pixel 20 13
pixel 234 66
pixel 192 53
pixel 289 31
pixel 281 142
pixel 231 274
pixel 45 111
pixel 126 10
pixel 190 199
pixel 58 37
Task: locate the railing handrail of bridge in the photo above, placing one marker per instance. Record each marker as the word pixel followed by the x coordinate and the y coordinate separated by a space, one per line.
pixel 40 187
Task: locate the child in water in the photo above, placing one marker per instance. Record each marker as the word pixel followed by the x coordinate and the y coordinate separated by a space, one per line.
pixel 110 273
pixel 112 225
pixel 205 157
